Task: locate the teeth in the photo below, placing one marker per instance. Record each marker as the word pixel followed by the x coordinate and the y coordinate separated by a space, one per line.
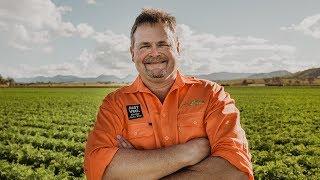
pixel 156 62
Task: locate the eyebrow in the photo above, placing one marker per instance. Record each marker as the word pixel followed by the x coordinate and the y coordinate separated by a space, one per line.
pixel 162 42
pixel 147 43
pixel 143 43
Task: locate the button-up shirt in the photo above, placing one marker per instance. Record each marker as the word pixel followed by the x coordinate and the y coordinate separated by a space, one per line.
pixel 193 108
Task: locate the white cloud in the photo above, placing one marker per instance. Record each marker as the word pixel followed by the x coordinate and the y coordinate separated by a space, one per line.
pixel 47 49
pixel 206 53
pixel 86 59
pixel 21 38
pixel 112 49
pixel 120 42
pixel 36 23
pixel 64 9
pixel 55 69
pixel 110 56
pixel 37 14
pixel 309 26
pixel 19 46
pixel 91 1
pixel 20 33
pixel 3 26
pixel 84 30
pixel 202 53
pixel 66 29
pixel 25 70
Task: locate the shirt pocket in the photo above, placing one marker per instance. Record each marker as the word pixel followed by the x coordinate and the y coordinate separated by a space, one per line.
pixel 190 126
pixel 141 136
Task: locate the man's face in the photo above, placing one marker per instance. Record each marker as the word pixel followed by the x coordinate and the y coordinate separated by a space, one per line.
pixel 155 52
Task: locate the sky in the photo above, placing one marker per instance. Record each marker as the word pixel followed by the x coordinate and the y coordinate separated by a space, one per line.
pixel 88 38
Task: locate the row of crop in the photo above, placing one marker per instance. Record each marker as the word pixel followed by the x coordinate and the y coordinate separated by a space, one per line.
pixel 48 118
pixel 59 145
pixel 293 146
pixel 26 110
pixel 49 133
pixel 72 122
pixel 299 167
pixel 263 157
pixel 10 170
pixel 44 125
pixel 56 162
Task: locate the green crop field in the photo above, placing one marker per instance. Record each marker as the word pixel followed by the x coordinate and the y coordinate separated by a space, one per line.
pixel 43 130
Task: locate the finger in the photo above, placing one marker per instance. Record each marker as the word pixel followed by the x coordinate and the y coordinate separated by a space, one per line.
pixel 129 145
pixel 123 143
pixel 119 141
pixel 119 144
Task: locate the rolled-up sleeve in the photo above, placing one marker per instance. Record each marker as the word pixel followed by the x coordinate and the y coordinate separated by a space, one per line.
pixel 101 144
pixel 227 138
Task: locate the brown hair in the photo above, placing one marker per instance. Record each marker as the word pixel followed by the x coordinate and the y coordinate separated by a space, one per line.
pixel 153 16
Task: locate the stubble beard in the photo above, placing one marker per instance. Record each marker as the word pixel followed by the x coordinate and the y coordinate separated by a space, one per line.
pixel 160 74
pixel 156 73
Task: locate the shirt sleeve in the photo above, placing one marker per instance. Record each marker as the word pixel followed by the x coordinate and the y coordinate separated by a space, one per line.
pixel 101 144
pixel 227 138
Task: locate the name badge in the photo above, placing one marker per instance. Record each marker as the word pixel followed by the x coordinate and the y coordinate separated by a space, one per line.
pixel 134 111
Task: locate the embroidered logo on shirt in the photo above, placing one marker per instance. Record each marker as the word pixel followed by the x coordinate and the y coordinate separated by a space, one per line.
pixel 196 102
pixel 134 111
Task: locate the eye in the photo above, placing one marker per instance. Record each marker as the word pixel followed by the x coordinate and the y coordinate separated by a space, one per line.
pixel 144 46
pixel 164 45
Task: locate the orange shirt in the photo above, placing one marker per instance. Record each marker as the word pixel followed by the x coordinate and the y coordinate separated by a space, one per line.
pixel 193 108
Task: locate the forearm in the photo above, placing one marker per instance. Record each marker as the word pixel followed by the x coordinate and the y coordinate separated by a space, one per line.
pixel 210 168
pixel 186 173
pixel 146 164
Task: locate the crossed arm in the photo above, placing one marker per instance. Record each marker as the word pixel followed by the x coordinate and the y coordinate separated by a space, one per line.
pixel 189 160
pixel 210 168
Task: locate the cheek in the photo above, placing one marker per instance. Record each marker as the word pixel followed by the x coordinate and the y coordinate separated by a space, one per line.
pixel 141 55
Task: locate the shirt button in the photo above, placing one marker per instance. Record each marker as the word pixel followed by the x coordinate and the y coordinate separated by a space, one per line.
pixel 166 138
pixel 179 129
pixel 164 115
pixel 136 133
pixel 195 122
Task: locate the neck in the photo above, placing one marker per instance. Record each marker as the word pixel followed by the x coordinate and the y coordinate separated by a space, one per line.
pixel 160 89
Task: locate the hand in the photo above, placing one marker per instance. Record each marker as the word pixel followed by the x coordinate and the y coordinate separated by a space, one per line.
pixel 123 143
pixel 197 149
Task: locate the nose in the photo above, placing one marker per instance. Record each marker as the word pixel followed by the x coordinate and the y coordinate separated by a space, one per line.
pixel 154 52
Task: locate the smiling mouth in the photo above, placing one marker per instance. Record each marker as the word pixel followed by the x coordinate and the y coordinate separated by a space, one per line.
pixel 156 62
pixel 156 65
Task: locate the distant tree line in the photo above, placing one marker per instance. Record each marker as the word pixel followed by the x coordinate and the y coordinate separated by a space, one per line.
pixel 279 81
pixel 274 81
pixel 7 81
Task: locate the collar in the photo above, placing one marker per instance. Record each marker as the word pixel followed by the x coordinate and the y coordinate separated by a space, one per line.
pixel 138 86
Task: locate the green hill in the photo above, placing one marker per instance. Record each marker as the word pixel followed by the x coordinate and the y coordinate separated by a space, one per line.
pixel 309 73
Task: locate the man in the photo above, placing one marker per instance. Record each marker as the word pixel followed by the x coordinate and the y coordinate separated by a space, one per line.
pixel 166 125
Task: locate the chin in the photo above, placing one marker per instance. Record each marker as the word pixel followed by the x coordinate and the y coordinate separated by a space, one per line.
pixel 162 77
pixel 157 77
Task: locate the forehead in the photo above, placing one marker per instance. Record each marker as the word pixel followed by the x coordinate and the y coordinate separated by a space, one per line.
pixel 152 33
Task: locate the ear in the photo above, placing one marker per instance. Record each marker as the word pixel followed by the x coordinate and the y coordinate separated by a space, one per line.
pixel 178 46
pixel 132 53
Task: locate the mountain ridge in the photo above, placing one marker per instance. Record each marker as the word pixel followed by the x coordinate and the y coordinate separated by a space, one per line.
pixel 313 72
